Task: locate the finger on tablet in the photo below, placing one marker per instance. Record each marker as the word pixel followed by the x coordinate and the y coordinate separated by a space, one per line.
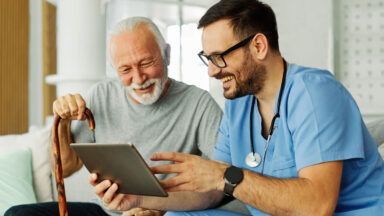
pixel 169 156
pixel 101 187
pixel 93 179
pixel 110 193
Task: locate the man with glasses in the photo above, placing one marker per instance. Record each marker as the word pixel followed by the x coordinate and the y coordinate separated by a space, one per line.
pixel 291 142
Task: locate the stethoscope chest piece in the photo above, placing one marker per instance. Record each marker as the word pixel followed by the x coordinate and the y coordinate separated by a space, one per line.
pixel 253 159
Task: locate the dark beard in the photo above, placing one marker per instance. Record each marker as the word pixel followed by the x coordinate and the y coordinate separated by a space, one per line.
pixel 249 81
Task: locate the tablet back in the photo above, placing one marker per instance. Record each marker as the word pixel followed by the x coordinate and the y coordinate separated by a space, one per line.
pixel 122 164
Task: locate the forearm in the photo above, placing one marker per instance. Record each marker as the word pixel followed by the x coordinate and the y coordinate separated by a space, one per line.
pixel 69 160
pixel 183 201
pixel 295 196
pixel 315 192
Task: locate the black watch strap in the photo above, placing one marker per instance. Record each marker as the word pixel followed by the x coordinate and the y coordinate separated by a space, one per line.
pixel 229 188
pixel 232 177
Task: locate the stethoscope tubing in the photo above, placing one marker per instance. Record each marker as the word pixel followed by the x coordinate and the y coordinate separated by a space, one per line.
pixel 271 128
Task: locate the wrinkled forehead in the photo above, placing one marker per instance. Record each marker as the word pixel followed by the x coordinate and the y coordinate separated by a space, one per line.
pixel 218 36
pixel 140 39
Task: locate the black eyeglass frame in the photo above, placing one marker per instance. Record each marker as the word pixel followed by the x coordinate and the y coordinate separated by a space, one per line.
pixel 221 55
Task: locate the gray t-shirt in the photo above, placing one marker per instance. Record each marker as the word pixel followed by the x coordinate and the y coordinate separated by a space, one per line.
pixel 185 119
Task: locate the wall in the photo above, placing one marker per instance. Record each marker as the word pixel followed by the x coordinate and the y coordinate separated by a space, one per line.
pixel 35 64
pixel 305 28
pixel 359 52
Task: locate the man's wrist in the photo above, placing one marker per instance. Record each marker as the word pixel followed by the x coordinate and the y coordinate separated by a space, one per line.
pixel 221 181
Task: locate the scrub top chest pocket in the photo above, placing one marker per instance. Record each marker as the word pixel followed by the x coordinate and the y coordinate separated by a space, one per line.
pixel 284 168
pixel 283 163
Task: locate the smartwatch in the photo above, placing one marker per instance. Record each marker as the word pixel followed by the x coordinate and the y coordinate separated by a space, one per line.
pixel 232 177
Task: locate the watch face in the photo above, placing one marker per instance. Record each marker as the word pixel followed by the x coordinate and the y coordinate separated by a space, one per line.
pixel 234 174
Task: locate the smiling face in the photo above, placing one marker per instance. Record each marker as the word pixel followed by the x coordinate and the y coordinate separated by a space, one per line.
pixel 137 58
pixel 242 75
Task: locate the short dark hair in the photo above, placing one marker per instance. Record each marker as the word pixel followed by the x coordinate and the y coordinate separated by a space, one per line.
pixel 247 17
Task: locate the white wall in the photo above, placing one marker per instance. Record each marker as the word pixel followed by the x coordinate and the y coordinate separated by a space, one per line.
pixel 80 46
pixel 35 64
pixel 305 30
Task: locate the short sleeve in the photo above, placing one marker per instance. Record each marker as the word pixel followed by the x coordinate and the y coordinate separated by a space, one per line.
pixel 222 151
pixel 324 121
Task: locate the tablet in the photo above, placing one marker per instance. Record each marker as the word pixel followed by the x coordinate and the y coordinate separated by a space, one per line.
pixel 122 164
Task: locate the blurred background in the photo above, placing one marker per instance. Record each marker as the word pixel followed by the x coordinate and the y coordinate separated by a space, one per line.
pixel 49 48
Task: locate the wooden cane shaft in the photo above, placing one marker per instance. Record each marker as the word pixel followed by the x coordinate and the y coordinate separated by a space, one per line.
pixel 58 166
pixel 59 170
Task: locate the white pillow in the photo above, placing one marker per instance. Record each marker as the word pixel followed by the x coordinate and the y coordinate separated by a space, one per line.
pixel 38 142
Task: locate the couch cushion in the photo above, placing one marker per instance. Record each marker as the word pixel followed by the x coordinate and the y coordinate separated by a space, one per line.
pixel 77 187
pixel 38 142
pixel 376 129
pixel 381 150
pixel 16 179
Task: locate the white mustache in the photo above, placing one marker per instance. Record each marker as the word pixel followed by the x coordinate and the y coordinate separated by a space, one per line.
pixel 148 98
pixel 145 85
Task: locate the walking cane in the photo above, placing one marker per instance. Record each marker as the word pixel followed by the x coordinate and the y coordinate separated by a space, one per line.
pixel 58 167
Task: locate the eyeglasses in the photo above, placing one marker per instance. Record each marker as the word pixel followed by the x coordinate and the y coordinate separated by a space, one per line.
pixel 218 58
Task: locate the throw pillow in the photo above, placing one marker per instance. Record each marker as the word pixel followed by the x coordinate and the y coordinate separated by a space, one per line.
pixel 16 179
pixel 38 142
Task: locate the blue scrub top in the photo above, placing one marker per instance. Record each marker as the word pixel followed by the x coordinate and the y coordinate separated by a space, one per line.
pixel 319 122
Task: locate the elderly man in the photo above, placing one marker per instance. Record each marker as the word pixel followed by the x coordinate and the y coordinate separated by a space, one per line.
pixel 144 107
pixel 291 142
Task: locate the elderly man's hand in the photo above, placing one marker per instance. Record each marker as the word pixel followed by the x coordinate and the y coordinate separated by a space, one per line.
pixel 194 173
pixel 106 190
pixel 70 107
pixel 143 212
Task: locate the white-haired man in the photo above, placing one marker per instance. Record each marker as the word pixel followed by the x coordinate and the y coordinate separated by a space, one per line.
pixel 144 106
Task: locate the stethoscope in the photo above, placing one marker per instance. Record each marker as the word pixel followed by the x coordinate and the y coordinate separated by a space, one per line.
pixel 253 159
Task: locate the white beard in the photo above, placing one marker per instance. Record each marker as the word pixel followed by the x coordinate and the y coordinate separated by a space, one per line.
pixel 148 98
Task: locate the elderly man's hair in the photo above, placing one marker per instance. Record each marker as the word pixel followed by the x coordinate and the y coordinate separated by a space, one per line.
pixel 129 24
